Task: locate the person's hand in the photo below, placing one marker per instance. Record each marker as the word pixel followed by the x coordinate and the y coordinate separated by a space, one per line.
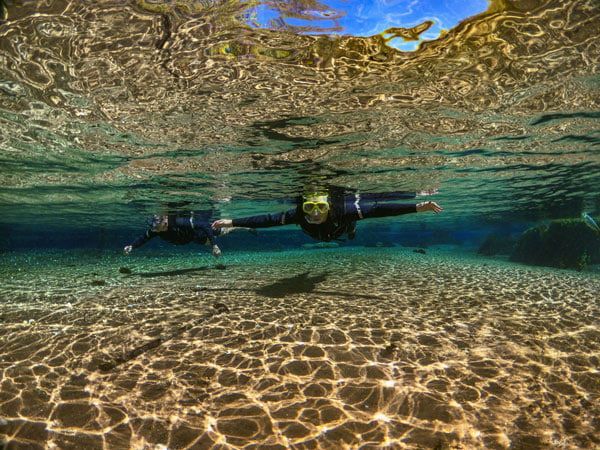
pixel 127 249
pixel 216 251
pixel 429 206
pixel 221 223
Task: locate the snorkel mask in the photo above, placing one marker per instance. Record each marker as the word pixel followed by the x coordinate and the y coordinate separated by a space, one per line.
pixel 315 201
pixel 158 221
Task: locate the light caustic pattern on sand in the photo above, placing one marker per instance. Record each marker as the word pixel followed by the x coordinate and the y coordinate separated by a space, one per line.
pixel 387 348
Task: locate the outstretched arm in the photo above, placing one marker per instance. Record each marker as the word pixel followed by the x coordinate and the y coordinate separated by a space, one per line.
pixel 149 234
pixel 390 196
pixel 262 221
pixel 357 211
pixel 206 232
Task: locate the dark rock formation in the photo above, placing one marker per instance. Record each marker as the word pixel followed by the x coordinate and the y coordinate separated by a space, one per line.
pixel 566 244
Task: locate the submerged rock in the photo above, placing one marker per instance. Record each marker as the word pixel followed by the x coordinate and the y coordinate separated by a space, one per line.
pixel 220 267
pixel 422 251
pixel 125 270
pixel 566 244
pixel 221 307
pixel 98 282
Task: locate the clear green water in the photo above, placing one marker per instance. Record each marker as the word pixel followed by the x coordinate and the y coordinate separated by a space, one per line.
pixel 111 111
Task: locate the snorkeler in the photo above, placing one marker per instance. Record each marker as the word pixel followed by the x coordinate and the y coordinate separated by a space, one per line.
pixel 182 229
pixel 326 217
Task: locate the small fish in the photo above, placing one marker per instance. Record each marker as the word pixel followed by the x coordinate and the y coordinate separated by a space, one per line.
pixel 590 222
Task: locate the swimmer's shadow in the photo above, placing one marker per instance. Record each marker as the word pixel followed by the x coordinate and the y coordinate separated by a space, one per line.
pixel 298 284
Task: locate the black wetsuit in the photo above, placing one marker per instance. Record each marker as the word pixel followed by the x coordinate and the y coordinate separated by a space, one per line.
pixel 182 229
pixel 345 211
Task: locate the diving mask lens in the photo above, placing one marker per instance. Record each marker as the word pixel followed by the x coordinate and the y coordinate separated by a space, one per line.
pixel 309 207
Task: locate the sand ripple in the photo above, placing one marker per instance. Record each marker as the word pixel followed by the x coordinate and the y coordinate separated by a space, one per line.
pixel 387 348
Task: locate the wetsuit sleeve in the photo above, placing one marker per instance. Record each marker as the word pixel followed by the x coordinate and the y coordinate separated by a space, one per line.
pixel 149 234
pixel 386 196
pixel 386 210
pixel 268 220
pixel 203 231
pixel 356 209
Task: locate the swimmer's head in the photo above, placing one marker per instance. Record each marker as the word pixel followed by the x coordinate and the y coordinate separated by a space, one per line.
pixel 315 206
pixel 159 223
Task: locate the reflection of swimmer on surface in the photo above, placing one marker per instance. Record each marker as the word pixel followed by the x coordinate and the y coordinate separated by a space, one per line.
pixel 325 216
pixel 182 229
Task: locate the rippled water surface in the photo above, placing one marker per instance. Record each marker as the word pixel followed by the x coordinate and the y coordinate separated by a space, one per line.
pixel 111 111
pixel 114 107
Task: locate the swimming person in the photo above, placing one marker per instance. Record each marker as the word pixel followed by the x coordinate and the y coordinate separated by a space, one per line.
pixel 325 216
pixel 182 229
